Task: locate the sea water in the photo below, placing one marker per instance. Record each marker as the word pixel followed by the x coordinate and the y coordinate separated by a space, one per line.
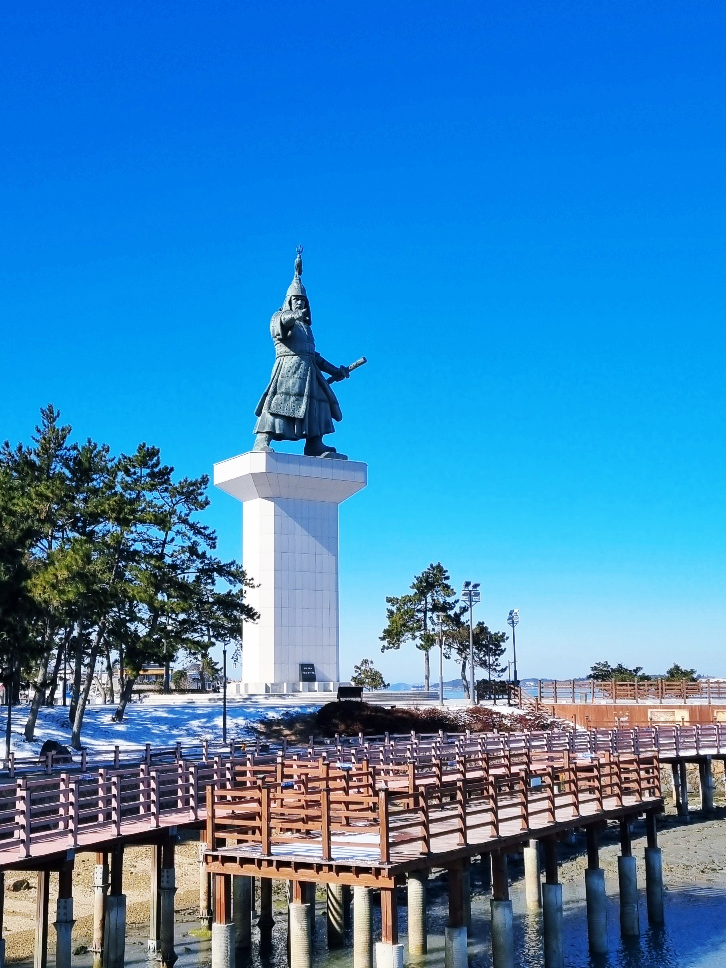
pixel 694 935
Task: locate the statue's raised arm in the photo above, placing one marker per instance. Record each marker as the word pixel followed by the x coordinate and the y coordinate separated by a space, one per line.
pixel 298 402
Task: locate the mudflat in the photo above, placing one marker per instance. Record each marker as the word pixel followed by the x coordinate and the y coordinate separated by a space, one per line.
pixel 693 852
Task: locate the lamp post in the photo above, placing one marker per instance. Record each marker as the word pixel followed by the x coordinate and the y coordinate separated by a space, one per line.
pixel 224 694
pixel 513 621
pixel 441 660
pixel 471 595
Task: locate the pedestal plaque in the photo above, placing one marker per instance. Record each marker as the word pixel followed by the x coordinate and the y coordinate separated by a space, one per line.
pixel 290 549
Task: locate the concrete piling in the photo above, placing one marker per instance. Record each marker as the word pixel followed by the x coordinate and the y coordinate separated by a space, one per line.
pixel 502 934
pixel 205 887
pixel 389 955
pixel 167 891
pixel 223 946
pixel 417 913
pixel 241 911
pixel 705 771
pixel 335 915
pixel 554 948
pixel 501 914
pixel 362 928
pixel 628 883
pixel 597 911
pixel 684 788
pixel 114 934
pixel 595 897
pixel 554 945
pixel 64 922
pixel 300 939
pixel 532 885
pixel 653 872
pixel 40 957
pixel 455 947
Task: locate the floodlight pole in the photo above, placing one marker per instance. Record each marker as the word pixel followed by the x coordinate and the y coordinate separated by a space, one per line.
pixel 470 593
pixel 224 694
pixel 441 661
pixel 512 622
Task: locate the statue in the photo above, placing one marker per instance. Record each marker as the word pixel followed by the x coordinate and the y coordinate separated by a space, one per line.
pixel 299 402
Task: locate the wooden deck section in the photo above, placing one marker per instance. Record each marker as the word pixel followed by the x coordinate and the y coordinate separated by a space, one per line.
pixel 501 787
pixel 362 824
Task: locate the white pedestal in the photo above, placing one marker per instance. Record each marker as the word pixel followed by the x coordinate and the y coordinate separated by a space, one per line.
pixel 290 549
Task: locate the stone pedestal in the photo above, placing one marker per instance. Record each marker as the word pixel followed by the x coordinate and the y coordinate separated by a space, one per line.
pixel 290 550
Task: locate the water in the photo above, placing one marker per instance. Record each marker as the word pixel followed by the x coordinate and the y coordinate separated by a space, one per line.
pixel 694 935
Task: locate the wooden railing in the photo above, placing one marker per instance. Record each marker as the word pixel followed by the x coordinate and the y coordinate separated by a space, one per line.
pixel 551 692
pixel 414 810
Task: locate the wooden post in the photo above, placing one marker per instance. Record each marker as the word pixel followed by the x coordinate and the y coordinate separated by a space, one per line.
pixel 626 846
pixel 2 913
pixel 40 955
pixel 265 819
pixel 100 889
pixel 456 897
pixel 500 876
pixel 550 854
pixel 64 916
pixel 155 901
pixel 383 826
pixel 325 822
pixel 389 916
pixel 593 845
pixel 222 898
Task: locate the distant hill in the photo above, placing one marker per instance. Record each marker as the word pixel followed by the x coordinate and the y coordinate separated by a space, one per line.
pixel 407 687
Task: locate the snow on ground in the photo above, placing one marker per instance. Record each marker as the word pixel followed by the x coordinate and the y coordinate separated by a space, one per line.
pixel 159 720
pixel 165 720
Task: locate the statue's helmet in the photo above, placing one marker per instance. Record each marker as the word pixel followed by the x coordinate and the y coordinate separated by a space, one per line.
pixel 296 287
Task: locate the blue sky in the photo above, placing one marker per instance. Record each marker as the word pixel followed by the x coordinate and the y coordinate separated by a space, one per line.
pixel 515 211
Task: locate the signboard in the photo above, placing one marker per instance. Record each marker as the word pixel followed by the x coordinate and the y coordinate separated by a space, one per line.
pixel 307 672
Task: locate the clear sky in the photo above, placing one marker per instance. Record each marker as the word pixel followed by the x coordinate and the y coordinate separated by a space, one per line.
pixel 515 211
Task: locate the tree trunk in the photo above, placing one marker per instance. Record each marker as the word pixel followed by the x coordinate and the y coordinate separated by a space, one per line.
pixel 53 681
pixel 77 679
pixel 38 697
pixel 167 677
pixel 109 673
pixel 9 690
pixel 83 700
pixel 124 699
pixel 427 671
pixel 465 678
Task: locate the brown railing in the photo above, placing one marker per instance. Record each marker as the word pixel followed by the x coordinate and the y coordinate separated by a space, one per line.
pixel 417 810
pixel 651 691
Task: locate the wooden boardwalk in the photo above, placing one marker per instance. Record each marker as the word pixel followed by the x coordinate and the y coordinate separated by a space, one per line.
pixel 369 825
pixel 47 810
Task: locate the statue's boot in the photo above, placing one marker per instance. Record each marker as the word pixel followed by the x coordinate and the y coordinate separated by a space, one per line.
pixel 316 447
pixel 262 443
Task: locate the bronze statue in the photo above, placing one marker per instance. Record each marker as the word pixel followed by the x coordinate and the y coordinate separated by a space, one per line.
pixel 298 402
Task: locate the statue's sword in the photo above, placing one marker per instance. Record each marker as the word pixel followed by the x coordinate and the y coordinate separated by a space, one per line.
pixel 353 366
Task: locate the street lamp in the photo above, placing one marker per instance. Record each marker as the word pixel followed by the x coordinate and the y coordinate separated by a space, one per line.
pixel 224 693
pixel 513 621
pixel 471 595
pixel 441 659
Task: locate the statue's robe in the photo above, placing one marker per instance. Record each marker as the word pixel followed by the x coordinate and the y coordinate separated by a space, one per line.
pixel 298 401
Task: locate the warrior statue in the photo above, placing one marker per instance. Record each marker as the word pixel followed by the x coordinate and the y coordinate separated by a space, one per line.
pixel 298 401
